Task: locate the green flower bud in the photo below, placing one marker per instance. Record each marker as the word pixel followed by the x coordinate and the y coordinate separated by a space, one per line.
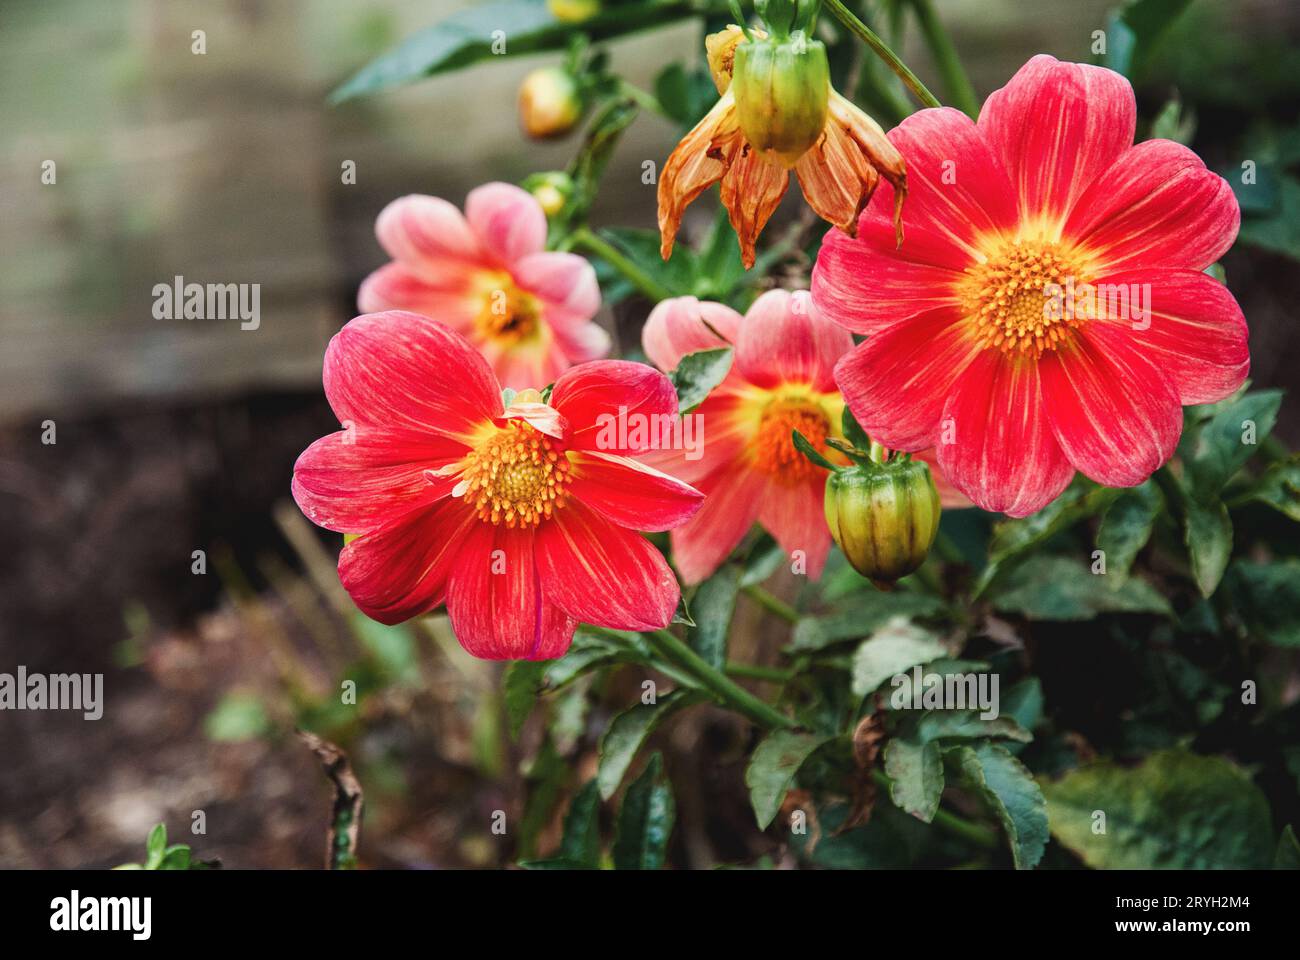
pixel 884 516
pixel 782 90
pixel 552 189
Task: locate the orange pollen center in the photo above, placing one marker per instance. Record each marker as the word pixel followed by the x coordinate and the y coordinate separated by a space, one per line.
pixel 1019 298
pixel 508 313
pixel 516 476
pixel 774 450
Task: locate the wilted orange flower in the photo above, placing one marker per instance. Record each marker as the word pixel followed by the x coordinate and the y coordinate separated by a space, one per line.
pixel 751 140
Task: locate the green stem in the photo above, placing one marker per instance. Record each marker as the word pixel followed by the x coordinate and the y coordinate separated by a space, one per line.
pixel 654 290
pixel 881 49
pixel 945 58
pixel 771 604
pixel 751 671
pixel 644 99
pixel 727 692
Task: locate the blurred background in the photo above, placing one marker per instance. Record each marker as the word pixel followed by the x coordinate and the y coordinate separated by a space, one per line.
pixel 180 435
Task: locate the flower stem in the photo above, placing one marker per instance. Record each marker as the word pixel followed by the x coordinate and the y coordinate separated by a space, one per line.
pixel 752 671
pixel 881 49
pixel 771 604
pixel 587 239
pixel 727 691
pixel 946 59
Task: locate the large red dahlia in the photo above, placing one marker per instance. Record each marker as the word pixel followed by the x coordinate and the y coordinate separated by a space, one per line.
pixel 1048 309
pixel 519 517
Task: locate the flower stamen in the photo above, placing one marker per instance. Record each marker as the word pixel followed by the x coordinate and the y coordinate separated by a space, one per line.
pixel 516 476
pixel 774 450
pixel 1016 297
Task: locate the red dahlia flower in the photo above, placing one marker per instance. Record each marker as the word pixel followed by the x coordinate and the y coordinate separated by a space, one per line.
pixel 519 517
pixel 1004 330
pixel 485 273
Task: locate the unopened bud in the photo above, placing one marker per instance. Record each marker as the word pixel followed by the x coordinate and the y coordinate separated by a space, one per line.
pixel 552 189
pixel 550 102
pixel 782 90
pixel 884 516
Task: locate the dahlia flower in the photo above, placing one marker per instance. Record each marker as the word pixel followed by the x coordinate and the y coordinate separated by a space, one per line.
pixel 485 274
pixel 1048 310
pixel 516 512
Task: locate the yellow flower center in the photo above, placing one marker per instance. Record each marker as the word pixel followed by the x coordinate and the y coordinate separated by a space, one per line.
pixel 508 314
pixel 774 451
pixel 1019 297
pixel 516 476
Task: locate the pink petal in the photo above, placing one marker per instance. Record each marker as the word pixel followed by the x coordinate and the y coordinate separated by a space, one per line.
pixel 395 286
pixel 1003 454
pixel 720 428
pixel 896 383
pixel 543 418
pixel 595 395
pixel 732 501
pixel 630 493
pixel 579 342
pixel 424 232
pixel 796 518
pixel 564 280
pixel 1114 412
pixel 1159 207
pixel 495 599
pixel 1058 127
pixel 408 375
pixel 508 220
pixel 785 340
pixel 681 325
pixel 600 573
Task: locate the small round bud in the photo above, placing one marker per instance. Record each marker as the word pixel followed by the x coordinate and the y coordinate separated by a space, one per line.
pixel 884 516
pixel 550 102
pixel 782 90
pixel 552 189
pixel 573 11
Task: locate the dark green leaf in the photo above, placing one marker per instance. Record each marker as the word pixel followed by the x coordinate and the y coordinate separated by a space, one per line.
pixel 581 840
pixel 1279 488
pixel 1208 535
pixel 1217 449
pixel 1126 527
pixel 1062 588
pixel 1133 30
pixel 915 768
pixel 645 821
pixel 1277 231
pixel 522 684
pixel 772 770
pixel 1287 856
pixel 1267 598
pixel 859 618
pixel 893 648
pixel 714 603
pixel 698 373
pixel 628 731
pixel 685 95
pixel 1176 810
pixel 1011 791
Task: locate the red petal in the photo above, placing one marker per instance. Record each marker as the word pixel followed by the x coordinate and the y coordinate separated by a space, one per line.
pixel 1197 334
pixel 796 518
pixel 495 599
pixel 785 340
pixel 1157 206
pixel 1058 127
pixel 1114 412
pixel 408 376
pixel 721 429
pixel 632 494
pixel 401 571
pixel 593 395
pixel 685 325
pixel 896 383
pixel 599 573
pixel 1003 454
pixel 732 499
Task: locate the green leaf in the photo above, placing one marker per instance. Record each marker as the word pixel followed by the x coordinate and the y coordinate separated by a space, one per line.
pixel 155 847
pixel 713 604
pixel 1173 122
pixel 719 270
pixel 467 37
pixel 522 684
pixel 698 373
pixel 1011 791
pixel 581 839
pixel 1176 810
pixel 1277 231
pixel 915 768
pixel 892 649
pixel 1062 588
pixel 1287 856
pixel 175 857
pixel 589 164
pixel 852 431
pixel 1279 488
pixel 808 450
pixel 645 821
pixel 772 770
pixel 967 724
pixel 1208 535
pixel 642 248
pixel 236 718
pixel 628 731
pixel 1216 450
pixel 861 616
pixel 1133 30
pixel 1126 527
pixel 555 863
pixel 761 564
pixel 685 95
pixel 1267 597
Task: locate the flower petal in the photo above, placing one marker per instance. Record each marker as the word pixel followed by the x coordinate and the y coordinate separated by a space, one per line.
pixel 733 496
pixel 595 395
pixel 495 599
pixel 796 518
pixel 632 494
pixel 508 220
pixel 696 163
pixel 785 340
pixel 752 189
pixel 950 498
pixel 1114 412
pixel 836 179
pixel 564 280
pixel 401 571
pixel 1197 334
pixel 395 286
pixel 424 232
pixel 1002 453
pixel 714 435
pixel 1157 206
pixel 1058 127
pixel 599 573
pixel 410 376
pixel 682 325
pixel 896 383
